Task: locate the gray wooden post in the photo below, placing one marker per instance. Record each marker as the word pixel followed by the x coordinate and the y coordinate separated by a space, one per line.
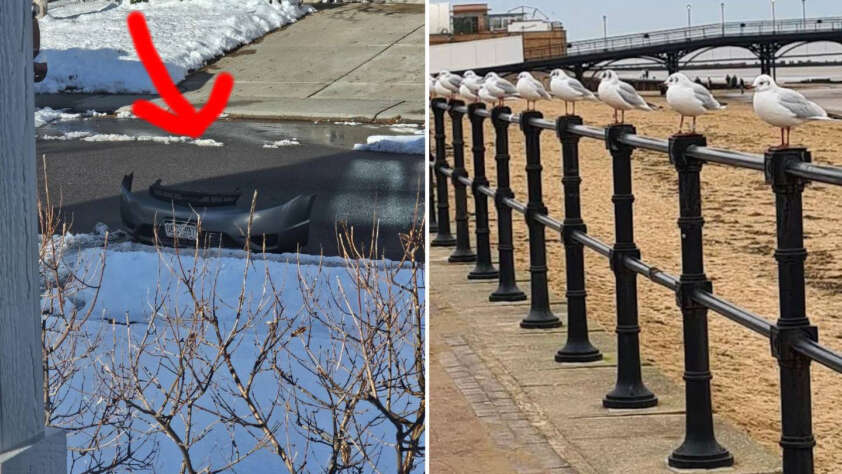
pixel 25 445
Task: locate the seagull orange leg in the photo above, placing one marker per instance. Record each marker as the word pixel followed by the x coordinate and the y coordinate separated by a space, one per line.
pixel 681 125
pixel 694 124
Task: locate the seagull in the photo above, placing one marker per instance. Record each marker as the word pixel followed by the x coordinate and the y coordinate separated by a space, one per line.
pixel 447 83
pixel 432 81
pixel 485 96
pixel 499 87
pixel 568 89
pixel 689 98
pixel 620 95
pixel 784 108
pixel 470 86
pixel 531 89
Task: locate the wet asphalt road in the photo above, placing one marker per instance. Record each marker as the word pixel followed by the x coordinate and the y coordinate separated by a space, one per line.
pixel 354 187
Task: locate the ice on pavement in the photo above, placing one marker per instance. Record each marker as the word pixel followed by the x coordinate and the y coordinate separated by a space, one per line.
pixel 394 144
pixel 88 47
pixel 280 143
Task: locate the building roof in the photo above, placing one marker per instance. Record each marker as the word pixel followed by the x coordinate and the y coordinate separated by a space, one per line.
pixel 470 8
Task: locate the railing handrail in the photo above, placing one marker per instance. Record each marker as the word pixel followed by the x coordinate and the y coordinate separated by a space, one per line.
pixel 818 173
pixel 793 340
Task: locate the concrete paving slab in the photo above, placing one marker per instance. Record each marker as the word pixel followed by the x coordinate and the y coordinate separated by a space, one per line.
pixel 563 402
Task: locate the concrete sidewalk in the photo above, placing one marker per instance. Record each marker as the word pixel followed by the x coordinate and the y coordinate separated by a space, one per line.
pixel 543 416
pixel 360 62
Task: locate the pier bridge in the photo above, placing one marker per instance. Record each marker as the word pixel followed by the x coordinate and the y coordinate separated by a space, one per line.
pixel 674 48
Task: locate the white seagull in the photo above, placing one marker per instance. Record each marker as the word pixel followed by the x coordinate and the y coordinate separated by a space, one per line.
pixel 447 83
pixel 689 98
pixel 568 89
pixel 784 108
pixel 619 95
pixel 499 88
pixel 485 96
pixel 531 89
pixel 470 86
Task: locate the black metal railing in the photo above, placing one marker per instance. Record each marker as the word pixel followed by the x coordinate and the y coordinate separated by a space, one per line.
pixel 794 340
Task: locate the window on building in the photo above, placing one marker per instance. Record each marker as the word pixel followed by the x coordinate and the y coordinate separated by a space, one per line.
pixel 465 25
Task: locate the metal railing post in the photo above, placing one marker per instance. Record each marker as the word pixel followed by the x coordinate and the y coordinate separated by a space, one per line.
pixel 507 289
pixel 700 450
pixel 443 238
pixel 462 252
pixel 629 392
pixel 483 270
pixel 540 315
pixel 432 223
pixel 796 416
pixel 578 347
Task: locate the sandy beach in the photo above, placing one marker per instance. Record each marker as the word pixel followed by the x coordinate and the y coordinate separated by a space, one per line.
pixel 739 243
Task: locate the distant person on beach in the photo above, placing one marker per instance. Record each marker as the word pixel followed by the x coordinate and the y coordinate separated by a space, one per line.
pixel 710 83
pixel 742 86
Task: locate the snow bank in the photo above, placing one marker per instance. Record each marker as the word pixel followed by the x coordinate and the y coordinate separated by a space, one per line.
pixel 413 145
pixel 50 115
pixel 89 49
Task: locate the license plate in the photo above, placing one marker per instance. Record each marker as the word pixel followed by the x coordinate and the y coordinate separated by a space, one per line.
pixel 181 231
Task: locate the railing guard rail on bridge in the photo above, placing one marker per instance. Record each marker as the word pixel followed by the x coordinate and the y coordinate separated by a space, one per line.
pixel 733 28
pixel 794 341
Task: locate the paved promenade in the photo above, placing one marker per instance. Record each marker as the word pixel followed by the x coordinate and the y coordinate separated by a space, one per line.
pixel 500 403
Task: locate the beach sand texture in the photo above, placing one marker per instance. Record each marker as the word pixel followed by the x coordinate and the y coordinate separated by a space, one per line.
pixel 739 238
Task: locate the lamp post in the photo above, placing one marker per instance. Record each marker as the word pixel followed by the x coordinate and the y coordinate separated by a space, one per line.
pixel 722 8
pixel 774 23
pixel 804 14
pixel 689 7
pixel 605 31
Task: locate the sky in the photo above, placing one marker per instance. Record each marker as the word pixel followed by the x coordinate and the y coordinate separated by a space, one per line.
pixel 633 16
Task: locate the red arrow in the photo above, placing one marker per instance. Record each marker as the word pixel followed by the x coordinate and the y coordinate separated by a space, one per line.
pixel 183 120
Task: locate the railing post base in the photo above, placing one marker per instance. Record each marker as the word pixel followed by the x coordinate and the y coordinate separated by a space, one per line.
pixel 483 273
pixel 684 457
pixel 511 293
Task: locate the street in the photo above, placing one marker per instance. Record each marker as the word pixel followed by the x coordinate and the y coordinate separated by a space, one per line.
pixel 351 186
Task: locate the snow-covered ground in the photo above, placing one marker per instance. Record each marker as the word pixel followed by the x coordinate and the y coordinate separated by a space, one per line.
pixel 50 115
pixel 140 284
pixel 88 47
pixel 86 136
pixel 413 145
